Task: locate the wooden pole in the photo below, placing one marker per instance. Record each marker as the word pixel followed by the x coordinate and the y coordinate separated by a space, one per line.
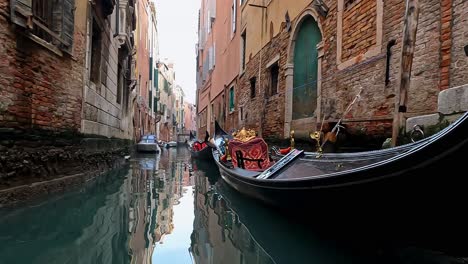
pixel 406 62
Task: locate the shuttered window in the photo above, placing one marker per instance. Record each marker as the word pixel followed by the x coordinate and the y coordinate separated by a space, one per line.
pixel 231 99
pixel 156 79
pixel 150 99
pixel 150 68
pixel 51 21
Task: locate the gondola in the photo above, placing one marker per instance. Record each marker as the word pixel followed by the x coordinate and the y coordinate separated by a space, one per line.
pixel 205 153
pixel 388 176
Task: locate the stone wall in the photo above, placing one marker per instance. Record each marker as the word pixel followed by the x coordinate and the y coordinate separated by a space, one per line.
pixel 459 26
pixel 103 113
pixel 39 87
pixel 39 162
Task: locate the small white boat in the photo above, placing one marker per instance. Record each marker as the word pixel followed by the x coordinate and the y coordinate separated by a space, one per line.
pixel 171 144
pixel 148 143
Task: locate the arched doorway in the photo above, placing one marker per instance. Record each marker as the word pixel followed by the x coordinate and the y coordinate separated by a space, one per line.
pixel 305 78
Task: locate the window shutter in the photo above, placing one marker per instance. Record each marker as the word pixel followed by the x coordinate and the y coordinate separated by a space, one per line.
pixel 68 25
pixel 20 11
pixel 150 99
pixel 150 68
pixel 156 79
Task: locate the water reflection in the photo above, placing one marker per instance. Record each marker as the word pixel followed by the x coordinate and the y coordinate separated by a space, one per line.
pixel 86 226
pixel 231 228
pixel 158 186
pixel 166 208
pixel 122 217
pixel 219 236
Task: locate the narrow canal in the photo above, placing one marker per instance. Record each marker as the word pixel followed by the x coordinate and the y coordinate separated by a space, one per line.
pixel 167 208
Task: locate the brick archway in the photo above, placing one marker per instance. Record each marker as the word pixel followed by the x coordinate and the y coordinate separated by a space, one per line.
pixel 301 125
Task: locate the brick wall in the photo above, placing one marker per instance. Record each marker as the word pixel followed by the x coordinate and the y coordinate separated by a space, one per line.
pixel 359 27
pixel 38 88
pixel 459 60
pixel 264 112
pixel 373 113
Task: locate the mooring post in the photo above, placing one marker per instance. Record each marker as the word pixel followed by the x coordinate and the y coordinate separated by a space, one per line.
pixel 407 50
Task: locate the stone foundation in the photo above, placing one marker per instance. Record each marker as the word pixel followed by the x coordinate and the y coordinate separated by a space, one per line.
pixel 35 163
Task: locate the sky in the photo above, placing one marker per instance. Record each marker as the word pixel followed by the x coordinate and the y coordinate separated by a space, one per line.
pixel 177 31
pixel 175 246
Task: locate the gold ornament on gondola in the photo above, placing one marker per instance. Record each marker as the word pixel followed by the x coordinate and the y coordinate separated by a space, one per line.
pixel 292 141
pixel 244 135
pixel 316 136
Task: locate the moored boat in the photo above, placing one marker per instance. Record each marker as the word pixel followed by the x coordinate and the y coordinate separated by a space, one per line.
pixel 148 143
pixel 305 179
pixel 200 150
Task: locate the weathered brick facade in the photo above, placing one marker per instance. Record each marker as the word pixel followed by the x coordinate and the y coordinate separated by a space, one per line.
pixel 359 27
pixel 38 88
pixel 459 35
pixel 366 33
pixel 264 112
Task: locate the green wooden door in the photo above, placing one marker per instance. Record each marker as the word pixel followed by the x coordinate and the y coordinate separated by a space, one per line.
pixel 305 69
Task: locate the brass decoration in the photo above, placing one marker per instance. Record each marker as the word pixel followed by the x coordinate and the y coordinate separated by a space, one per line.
pixel 228 155
pixel 244 135
pixel 293 143
pixel 316 136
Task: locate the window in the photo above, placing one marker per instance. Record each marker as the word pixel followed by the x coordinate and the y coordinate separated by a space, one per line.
pixel 156 79
pixel 348 3
pixel 253 82
pixel 150 98
pixel 231 99
pixel 241 113
pixel 233 16
pixel 52 24
pixel 212 113
pixel 119 83
pixel 243 43
pixel 95 53
pixel 274 72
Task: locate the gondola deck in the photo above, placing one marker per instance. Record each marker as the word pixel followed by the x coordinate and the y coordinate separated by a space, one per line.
pixel 309 175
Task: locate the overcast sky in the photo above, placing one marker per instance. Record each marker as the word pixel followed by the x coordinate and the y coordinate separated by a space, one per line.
pixel 177 26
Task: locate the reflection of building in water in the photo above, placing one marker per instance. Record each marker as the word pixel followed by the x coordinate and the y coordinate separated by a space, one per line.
pixel 157 185
pixel 86 226
pixel 218 234
pixel 142 213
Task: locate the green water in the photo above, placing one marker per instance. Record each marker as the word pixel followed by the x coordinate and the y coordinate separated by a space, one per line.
pixel 157 210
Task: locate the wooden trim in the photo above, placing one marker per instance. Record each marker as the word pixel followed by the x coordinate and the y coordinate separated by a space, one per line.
pixel 50 32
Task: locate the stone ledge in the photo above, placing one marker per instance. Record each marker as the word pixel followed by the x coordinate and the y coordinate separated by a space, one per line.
pixel 453 100
pixel 423 121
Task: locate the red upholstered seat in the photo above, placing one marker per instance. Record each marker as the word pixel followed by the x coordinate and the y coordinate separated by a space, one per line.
pixel 254 153
pixel 197 146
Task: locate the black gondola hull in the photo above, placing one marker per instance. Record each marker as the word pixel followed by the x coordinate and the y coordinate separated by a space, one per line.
pixel 429 174
pixel 204 154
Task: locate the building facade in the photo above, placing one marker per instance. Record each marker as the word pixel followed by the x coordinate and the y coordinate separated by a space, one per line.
pixel 305 61
pixel 190 117
pixel 218 44
pixel 166 84
pixel 107 109
pixel 69 68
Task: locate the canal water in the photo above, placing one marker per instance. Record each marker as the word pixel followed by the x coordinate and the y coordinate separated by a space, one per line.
pixel 167 208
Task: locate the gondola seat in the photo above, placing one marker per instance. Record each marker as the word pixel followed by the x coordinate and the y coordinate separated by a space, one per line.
pixel 252 155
